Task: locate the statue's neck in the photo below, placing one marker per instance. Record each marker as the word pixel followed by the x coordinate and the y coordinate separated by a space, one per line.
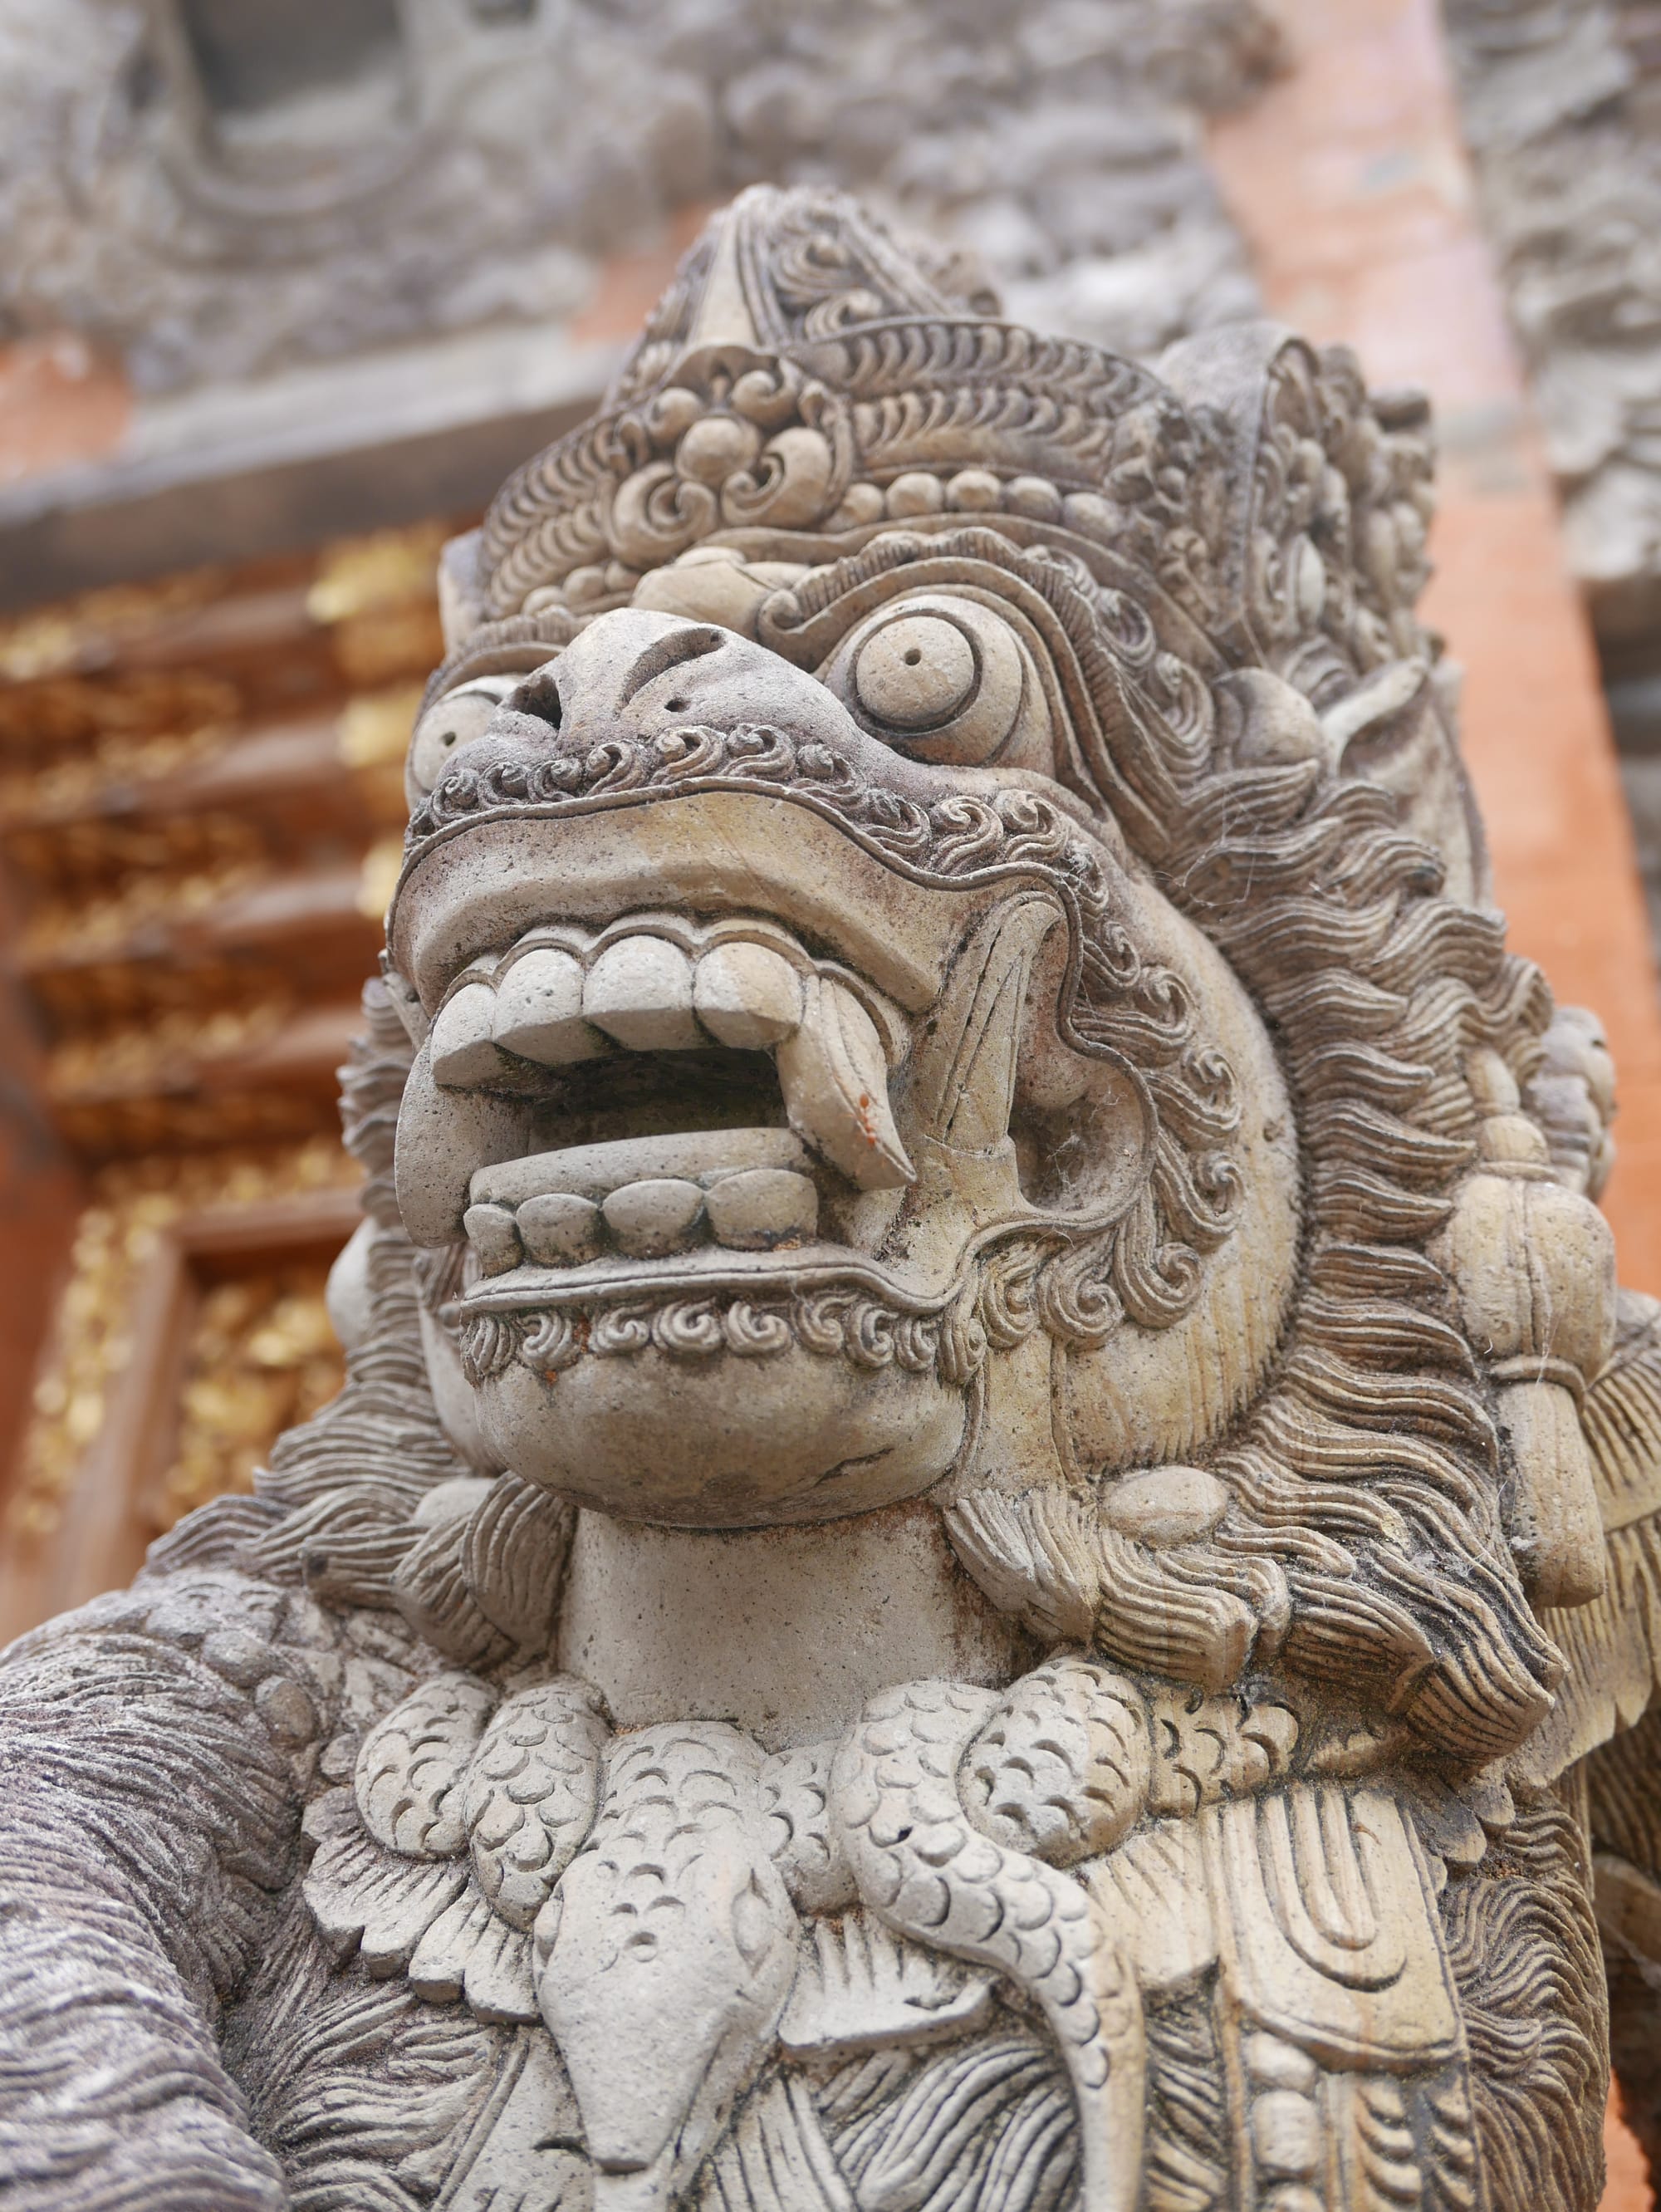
pixel 787 1631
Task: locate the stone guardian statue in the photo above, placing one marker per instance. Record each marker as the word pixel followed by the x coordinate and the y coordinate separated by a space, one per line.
pixel 992 1543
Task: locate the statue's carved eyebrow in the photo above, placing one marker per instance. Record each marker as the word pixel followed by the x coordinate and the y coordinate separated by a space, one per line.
pixel 670 652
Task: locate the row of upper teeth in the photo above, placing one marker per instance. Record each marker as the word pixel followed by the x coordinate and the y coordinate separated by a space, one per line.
pixel 558 1003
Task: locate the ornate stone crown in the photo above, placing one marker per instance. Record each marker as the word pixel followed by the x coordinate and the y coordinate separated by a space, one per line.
pixel 805 384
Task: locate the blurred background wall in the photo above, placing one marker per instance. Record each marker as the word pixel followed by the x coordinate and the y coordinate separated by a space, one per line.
pixel 288 285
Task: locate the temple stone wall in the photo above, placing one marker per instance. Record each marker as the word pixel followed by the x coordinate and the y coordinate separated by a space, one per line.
pixel 1561 104
pixel 177 187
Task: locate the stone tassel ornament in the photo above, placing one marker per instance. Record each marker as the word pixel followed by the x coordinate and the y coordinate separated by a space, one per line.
pixel 1533 1268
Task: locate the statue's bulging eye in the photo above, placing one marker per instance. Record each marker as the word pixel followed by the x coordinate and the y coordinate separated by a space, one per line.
pixel 452 722
pixel 916 673
pixel 945 680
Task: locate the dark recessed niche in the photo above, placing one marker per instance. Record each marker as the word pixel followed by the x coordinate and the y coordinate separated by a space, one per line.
pixel 251 54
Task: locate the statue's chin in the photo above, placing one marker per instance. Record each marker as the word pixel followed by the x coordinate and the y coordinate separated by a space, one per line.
pixel 725 1441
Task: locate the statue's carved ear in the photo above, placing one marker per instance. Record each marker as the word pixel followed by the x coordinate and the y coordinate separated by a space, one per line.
pixel 463 604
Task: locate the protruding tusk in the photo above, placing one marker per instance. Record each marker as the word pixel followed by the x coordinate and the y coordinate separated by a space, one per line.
pixel 834 1075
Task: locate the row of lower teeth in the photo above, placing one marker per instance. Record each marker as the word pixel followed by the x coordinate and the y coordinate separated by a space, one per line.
pixel 755 1209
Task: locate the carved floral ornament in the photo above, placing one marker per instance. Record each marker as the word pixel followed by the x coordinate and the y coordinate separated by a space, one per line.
pixel 989 1541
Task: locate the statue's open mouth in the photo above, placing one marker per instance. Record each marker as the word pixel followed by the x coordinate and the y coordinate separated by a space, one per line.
pixel 660 1096
pixel 686 1042
pixel 675 1112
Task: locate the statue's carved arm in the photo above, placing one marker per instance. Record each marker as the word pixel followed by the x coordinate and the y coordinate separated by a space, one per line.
pixel 147 1822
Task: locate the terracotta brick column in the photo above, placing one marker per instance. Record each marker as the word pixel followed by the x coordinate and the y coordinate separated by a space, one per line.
pixel 1351 184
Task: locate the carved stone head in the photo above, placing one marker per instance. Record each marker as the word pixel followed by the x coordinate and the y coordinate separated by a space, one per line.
pixel 945 941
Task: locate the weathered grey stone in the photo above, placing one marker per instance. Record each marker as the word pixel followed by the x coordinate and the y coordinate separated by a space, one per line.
pixel 1561 101
pixel 759 1207
pixel 558 1229
pixel 172 193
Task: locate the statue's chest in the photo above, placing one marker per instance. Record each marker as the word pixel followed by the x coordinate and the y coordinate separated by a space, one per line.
pixel 890 2069
pixel 666 1968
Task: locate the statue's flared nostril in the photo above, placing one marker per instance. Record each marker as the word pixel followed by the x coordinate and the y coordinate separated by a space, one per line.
pixel 539 695
pixel 648 673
